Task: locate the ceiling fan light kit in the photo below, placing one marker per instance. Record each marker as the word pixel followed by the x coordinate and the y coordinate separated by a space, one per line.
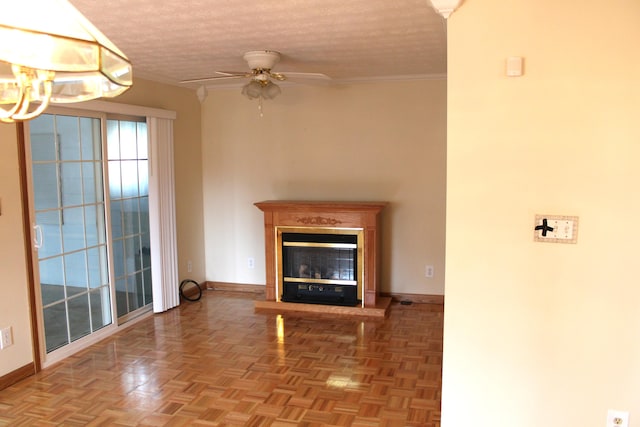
pixel 264 89
pixel 257 89
pixel 261 89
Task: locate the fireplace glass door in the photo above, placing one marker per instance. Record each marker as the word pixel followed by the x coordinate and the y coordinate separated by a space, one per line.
pixel 320 268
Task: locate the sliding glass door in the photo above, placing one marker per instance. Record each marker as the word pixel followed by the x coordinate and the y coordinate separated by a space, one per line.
pixel 90 267
pixel 69 228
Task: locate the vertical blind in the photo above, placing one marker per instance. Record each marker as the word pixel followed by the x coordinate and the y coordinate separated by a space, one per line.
pixel 162 219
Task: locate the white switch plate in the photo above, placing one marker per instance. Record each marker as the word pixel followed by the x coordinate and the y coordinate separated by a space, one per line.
pixel 617 418
pixel 514 66
pixel 565 229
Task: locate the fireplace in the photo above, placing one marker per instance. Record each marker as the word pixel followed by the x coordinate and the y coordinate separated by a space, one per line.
pixel 322 254
pixel 319 265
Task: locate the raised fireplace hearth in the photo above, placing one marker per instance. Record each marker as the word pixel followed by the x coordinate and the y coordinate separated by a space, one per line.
pixel 322 253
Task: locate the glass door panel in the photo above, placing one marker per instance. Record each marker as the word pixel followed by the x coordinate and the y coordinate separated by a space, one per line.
pixel 70 228
pixel 129 204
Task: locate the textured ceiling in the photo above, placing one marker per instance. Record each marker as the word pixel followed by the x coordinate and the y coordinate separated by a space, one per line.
pixel 348 40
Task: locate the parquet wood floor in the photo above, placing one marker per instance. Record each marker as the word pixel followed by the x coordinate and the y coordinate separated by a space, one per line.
pixel 216 362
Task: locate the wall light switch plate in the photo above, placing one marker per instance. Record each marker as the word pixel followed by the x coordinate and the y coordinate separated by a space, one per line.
pixel 556 229
pixel 515 66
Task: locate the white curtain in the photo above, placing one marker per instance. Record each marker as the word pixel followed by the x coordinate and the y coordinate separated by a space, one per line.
pixel 162 215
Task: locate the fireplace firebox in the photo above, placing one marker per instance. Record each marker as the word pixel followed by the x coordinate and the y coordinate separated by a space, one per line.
pixel 320 266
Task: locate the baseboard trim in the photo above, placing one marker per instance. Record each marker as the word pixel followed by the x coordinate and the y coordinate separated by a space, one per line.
pixel 235 287
pixel 17 375
pixel 259 289
pixel 415 298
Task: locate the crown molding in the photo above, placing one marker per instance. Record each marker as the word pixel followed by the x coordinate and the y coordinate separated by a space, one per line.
pixel 396 78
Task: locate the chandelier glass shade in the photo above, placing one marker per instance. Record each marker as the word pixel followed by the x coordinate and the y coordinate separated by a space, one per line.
pixel 50 53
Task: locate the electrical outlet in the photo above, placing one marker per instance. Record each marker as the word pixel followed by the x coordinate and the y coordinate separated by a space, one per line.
pixel 251 263
pixel 428 271
pixel 5 338
pixel 189 266
pixel 617 418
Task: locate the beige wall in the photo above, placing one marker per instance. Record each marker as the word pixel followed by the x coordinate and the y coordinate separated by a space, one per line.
pixel 381 142
pixel 14 301
pixel 540 334
pixel 14 308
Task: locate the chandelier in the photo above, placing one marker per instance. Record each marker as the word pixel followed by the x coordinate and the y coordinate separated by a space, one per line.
pixel 50 53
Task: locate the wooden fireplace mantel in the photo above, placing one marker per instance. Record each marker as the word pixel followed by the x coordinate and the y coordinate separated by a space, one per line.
pixel 357 215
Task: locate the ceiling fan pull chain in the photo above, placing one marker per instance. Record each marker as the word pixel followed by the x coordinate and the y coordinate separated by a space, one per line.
pixel 260 106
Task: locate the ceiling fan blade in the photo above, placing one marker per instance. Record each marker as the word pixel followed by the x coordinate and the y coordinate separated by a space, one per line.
pixel 214 78
pixel 306 78
pixel 234 73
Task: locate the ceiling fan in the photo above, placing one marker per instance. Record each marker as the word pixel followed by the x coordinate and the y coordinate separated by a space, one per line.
pixel 261 83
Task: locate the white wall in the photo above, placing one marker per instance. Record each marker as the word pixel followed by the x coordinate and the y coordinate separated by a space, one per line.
pixel 377 142
pixel 540 334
